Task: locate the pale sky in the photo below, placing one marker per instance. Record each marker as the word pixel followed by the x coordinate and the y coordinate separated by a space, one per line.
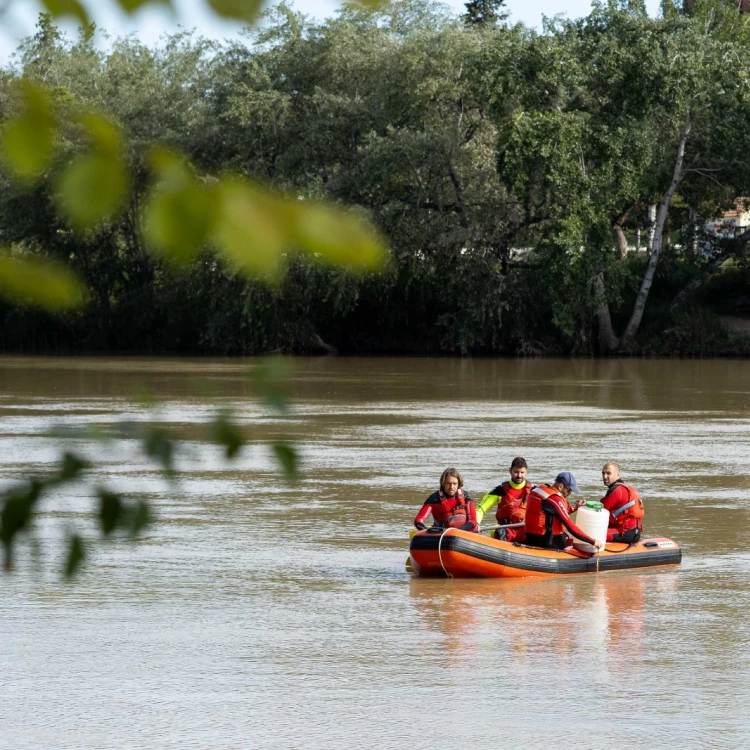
pixel 149 24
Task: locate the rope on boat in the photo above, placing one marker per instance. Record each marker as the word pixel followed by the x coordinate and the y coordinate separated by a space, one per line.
pixel 440 556
pixel 617 551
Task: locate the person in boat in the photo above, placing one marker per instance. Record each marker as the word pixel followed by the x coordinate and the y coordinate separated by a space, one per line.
pixel 450 506
pixel 510 498
pixel 624 505
pixel 548 515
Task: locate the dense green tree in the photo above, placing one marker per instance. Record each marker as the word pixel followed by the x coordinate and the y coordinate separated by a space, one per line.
pixel 502 167
pixel 484 12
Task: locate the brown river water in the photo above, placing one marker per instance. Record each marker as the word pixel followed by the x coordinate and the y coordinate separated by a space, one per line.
pixel 255 614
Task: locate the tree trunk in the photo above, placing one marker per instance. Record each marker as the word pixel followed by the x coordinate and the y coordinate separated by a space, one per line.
pixel 608 342
pixel 463 217
pixel 651 228
pixel 661 218
pixel 618 224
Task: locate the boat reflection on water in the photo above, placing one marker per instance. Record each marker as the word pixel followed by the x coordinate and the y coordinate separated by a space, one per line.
pixel 594 620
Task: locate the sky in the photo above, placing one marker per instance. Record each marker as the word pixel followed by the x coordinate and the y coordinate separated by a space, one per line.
pixel 149 24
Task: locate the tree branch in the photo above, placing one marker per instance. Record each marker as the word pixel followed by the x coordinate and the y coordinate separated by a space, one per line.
pixel 463 218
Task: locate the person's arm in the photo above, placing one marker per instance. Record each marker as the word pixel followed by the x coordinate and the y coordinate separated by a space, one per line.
pixel 425 511
pixel 557 509
pixel 472 514
pixel 486 504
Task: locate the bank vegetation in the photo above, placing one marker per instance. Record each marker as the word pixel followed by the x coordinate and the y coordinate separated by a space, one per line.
pixel 540 192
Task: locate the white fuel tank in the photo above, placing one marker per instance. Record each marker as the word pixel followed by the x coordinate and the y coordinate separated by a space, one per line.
pixel 593 520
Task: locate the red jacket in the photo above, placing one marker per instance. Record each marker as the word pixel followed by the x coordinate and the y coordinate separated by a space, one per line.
pixel 511 507
pixel 448 508
pixel 625 509
pixel 547 510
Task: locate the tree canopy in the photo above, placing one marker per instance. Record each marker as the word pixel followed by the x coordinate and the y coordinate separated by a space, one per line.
pixel 501 167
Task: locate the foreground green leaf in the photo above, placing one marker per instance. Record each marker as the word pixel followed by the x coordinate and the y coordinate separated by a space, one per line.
pixel 271 381
pixel 58 8
pixel 181 211
pixel 104 135
pixel 91 189
pixel 228 435
pixel 40 283
pixel 159 447
pixel 287 458
pixel 76 555
pixel 131 6
pixel 110 511
pixel 250 228
pixel 27 140
pixel 16 515
pixel 138 516
pixel 337 236
pixel 241 10
pixel 71 467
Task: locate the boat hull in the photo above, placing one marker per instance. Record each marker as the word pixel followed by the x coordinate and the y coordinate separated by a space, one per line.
pixel 462 554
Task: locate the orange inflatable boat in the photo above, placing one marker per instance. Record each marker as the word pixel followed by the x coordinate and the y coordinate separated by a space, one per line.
pixel 463 554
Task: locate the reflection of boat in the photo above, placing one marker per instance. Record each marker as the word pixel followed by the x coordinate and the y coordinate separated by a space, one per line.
pixel 462 554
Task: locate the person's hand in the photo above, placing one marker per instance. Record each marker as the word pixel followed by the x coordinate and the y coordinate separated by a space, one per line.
pixel 599 545
pixel 420 525
pixel 579 504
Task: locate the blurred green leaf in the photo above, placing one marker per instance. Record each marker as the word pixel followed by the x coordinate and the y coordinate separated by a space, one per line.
pixel 242 10
pixel 27 140
pixel 178 221
pixel 57 8
pixel 181 211
pixel 159 447
pixel 40 283
pixel 251 228
pixel 76 555
pixel 71 467
pixel 92 188
pixel 143 396
pixel 131 6
pixel 97 432
pixel 337 236
pixel 270 379
pixel 16 515
pixel 110 510
pixel 106 138
pixel 287 458
pixel 227 434
pixel 138 517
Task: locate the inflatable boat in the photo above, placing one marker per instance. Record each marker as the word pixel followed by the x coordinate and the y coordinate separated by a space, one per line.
pixel 463 554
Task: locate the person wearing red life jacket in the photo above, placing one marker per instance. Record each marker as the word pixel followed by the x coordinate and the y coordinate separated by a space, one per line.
pixel 624 505
pixel 548 515
pixel 511 498
pixel 450 506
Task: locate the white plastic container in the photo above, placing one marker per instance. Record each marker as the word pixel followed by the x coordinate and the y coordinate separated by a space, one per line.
pixel 593 520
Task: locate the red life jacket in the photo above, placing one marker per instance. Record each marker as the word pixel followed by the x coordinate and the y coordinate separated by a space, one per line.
pixel 511 507
pixel 536 518
pixel 455 510
pixel 626 510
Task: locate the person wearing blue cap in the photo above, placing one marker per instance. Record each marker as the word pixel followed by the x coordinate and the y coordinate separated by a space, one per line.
pixel 548 515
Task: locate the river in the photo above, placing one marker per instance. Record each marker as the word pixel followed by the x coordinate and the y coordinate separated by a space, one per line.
pixel 258 614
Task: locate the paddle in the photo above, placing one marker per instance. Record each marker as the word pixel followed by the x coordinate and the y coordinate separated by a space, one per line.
pixel 505 526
